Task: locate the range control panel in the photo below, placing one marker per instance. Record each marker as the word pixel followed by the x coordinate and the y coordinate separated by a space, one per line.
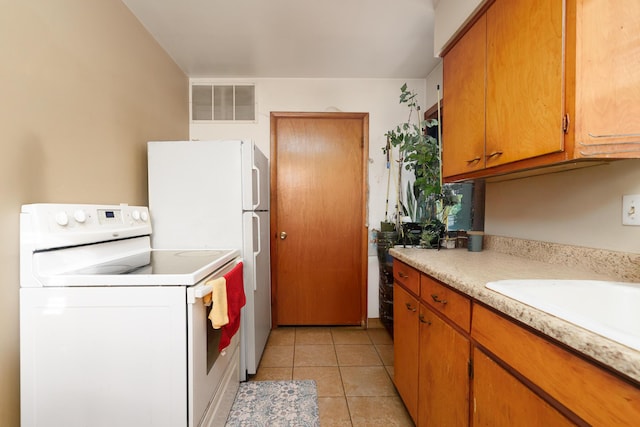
pixel 52 225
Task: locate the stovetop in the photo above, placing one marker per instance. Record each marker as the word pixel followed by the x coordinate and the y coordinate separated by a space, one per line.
pixel 159 267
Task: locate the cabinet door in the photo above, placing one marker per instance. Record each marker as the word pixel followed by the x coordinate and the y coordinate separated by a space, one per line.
pixel 501 400
pixel 524 80
pixel 405 348
pixel 443 373
pixel 463 112
pixel 593 394
pixel 607 78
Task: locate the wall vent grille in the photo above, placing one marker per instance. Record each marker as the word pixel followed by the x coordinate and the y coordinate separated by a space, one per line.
pixel 223 103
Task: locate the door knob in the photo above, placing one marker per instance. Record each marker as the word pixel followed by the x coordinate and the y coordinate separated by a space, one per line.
pixel 283 235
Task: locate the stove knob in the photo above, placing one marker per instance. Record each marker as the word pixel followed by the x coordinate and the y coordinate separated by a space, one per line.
pixel 145 216
pixel 80 216
pixel 62 218
pixel 136 215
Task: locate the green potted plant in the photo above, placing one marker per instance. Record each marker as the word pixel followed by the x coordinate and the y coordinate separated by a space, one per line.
pixel 426 200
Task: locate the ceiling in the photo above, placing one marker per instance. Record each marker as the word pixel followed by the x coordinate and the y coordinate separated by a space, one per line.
pixel 294 38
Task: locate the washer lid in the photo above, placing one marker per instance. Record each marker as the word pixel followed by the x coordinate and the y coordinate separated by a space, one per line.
pixel 159 267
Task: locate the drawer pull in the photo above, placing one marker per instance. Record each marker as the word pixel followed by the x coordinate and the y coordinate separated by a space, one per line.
pixel 423 320
pixel 401 274
pixel 437 299
pixel 409 307
pixel 475 159
pixel 494 154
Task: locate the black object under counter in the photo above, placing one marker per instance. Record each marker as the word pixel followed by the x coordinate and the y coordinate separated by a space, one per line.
pixel 386 240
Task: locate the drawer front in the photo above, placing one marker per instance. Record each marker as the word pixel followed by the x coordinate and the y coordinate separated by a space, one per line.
pixel 595 395
pixel 453 305
pixel 407 276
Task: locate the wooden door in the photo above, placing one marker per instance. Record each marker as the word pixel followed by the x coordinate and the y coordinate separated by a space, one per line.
pixel 525 102
pixel 443 373
pixel 406 348
pixel 464 87
pixel 319 237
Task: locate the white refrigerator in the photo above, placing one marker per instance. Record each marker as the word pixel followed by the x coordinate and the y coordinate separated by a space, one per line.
pixel 215 195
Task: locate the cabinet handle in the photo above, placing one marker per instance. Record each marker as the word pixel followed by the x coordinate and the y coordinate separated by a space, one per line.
pixel 494 154
pixel 409 307
pixel 401 274
pixel 475 159
pixel 423 320
pixel 437 299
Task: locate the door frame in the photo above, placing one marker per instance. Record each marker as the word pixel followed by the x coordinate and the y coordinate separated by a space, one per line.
pixel 364 248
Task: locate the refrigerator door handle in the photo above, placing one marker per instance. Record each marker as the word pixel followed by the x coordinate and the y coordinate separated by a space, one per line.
pixel 256 252
pixel 258 186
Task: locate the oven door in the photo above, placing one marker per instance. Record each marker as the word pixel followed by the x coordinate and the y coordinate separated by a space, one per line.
pixel 206 365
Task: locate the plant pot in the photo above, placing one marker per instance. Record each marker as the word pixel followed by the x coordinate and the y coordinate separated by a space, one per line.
pixel 411 232
pixel 448 243
pixel 387 226
pixel 432 232
pixel 385 241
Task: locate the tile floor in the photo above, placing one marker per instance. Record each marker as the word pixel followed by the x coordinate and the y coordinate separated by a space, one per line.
pixel 353 369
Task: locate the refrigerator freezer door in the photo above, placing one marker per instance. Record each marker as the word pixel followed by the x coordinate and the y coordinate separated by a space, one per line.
pixel 255 174
pixel 195 194
pixel 256 315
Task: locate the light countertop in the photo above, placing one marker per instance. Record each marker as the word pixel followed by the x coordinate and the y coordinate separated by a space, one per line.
pixel 468 272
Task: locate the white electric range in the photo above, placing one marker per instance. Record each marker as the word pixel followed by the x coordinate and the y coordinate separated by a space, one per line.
pixel 112 332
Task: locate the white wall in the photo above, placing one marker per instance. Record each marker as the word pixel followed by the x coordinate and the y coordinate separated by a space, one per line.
pixel 434 80
pixel 450 16
pixel 581 207
pixel 378 97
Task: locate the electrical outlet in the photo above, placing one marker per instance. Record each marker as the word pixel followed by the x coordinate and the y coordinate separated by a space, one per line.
pixel 631 209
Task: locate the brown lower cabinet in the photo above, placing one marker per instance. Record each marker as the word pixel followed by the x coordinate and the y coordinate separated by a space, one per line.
pixel 443 373
pixel 500 400
pixel 406 348
pixel 431 351
pixel 460 363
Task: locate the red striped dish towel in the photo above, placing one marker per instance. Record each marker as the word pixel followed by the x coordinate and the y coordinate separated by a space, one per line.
pixel 235 301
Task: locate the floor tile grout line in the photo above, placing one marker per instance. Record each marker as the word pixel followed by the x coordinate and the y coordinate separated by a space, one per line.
pixel 340 367
pixel 344 389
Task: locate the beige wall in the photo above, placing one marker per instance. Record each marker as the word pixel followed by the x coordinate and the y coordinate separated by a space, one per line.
pixel 83 87
pixel 581 207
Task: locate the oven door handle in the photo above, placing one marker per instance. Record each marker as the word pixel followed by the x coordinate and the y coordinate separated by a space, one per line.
pixel 198 292
pixel 203 289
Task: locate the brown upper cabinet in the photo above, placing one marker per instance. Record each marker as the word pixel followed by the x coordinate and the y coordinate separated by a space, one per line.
pixel 537 83
pixel 464 70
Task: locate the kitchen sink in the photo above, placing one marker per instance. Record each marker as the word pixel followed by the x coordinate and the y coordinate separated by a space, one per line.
pixel 609 309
